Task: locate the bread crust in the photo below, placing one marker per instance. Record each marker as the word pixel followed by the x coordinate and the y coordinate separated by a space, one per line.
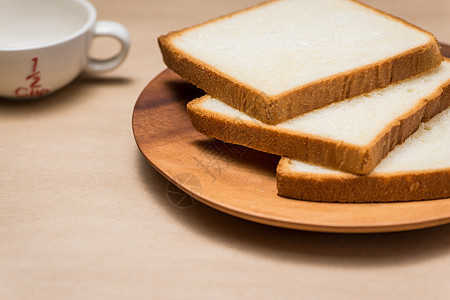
pixel 347 188
pixel 313 149
pixel 316 94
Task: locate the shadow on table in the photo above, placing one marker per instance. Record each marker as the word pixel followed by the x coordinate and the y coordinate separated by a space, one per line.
pixel 67 96
pixel 357 250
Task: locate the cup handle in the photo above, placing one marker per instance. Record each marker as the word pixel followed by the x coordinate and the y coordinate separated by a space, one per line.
pixel 117 31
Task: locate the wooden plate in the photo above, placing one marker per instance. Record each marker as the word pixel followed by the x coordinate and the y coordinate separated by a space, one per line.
pixel 241 181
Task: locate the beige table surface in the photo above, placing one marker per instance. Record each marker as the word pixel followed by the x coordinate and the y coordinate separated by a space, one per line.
pixel 84 216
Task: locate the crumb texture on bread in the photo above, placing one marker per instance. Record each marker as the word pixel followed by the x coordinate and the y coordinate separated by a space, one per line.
pixel 427 149
pixel 285 58
pixel 360 120
pixel 352 135
pixel 278 47
pixel 419 169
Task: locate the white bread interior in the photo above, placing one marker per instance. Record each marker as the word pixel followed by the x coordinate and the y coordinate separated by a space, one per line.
pixel 427 149
pixel 419 169
pixel 278 47
pixel 357 121
pixel 353 135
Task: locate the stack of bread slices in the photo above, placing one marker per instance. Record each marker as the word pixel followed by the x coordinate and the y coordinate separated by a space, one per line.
pixel 354 100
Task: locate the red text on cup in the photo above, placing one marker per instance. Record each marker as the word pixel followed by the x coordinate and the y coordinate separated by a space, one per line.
pixel 34 89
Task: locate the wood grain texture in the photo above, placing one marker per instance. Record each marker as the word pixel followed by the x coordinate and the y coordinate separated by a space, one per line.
pixel 241 181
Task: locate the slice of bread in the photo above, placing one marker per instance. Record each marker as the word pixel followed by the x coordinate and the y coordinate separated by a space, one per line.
pixel 284 58
pixel 418 169
pixel 352 135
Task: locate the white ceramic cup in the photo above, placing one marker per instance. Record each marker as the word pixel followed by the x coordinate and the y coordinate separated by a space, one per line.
pixel 44 45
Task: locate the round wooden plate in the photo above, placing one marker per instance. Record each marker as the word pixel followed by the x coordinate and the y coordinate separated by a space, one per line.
pixel 241 182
